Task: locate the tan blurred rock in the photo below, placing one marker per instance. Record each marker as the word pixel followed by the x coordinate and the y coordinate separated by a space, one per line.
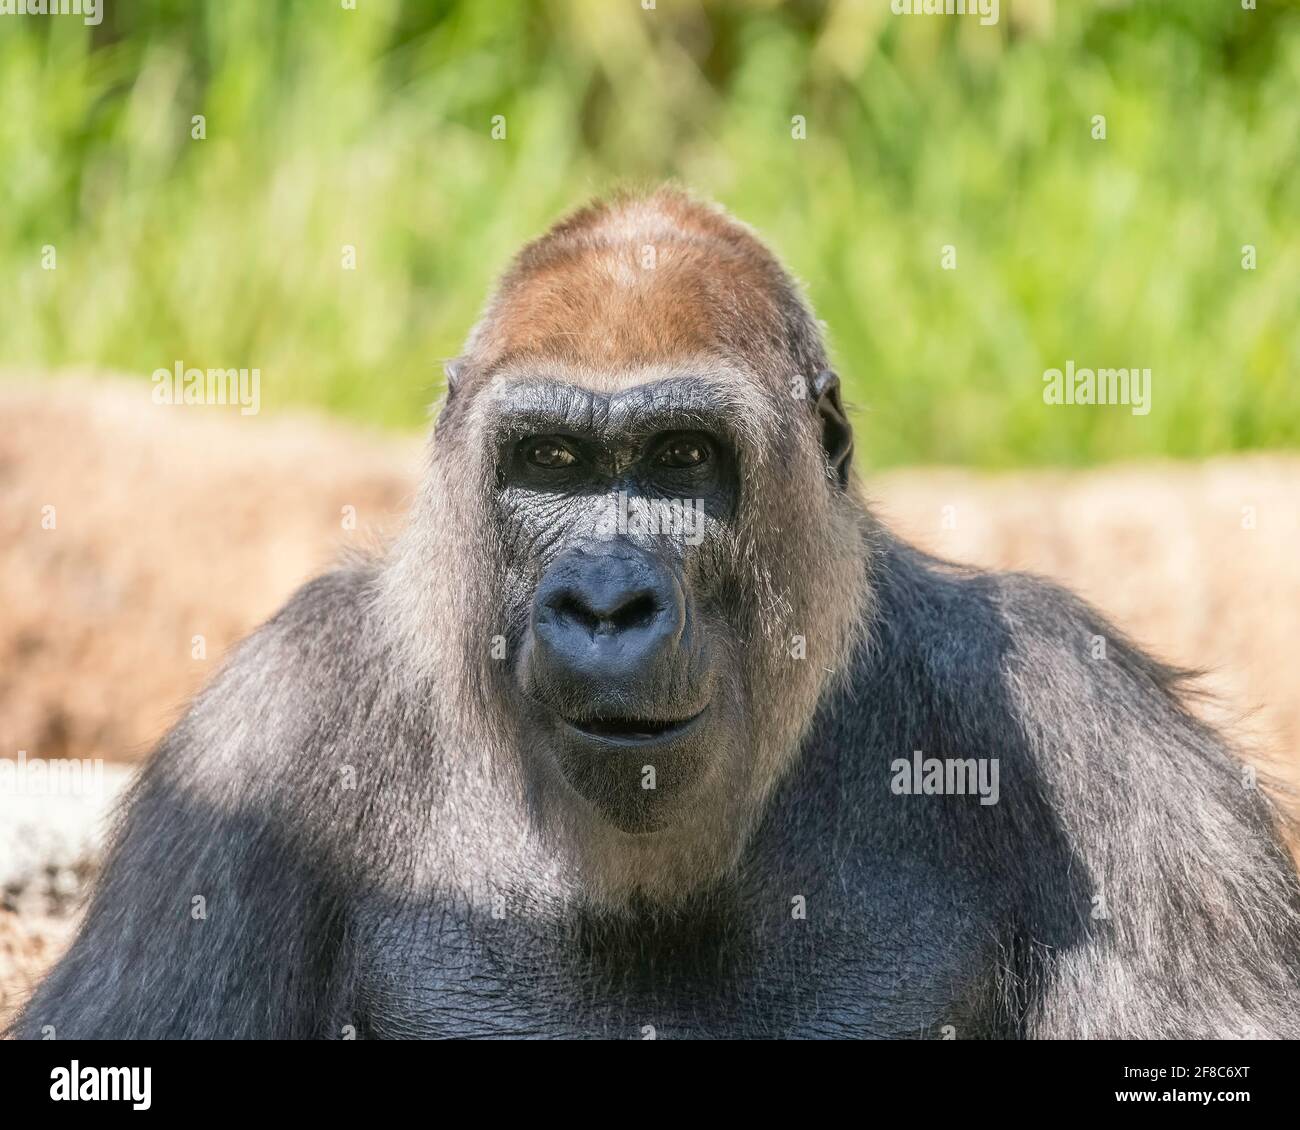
pixel 171 523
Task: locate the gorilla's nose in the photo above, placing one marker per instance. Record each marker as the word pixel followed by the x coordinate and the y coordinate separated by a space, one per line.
pixel 608 616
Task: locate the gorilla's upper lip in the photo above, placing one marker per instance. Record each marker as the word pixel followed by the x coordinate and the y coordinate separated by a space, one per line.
pixel 627 730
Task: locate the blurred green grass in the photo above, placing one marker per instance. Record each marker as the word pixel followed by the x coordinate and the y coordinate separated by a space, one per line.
pixel 371 127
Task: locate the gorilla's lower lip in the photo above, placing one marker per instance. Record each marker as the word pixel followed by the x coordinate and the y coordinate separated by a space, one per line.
pixel 633 731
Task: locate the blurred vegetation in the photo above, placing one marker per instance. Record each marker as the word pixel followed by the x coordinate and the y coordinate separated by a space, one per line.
pixel 327 126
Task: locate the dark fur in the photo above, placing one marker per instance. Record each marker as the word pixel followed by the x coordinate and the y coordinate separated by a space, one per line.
pixel 426 902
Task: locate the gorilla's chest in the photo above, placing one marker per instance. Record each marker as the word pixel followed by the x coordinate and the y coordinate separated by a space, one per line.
pixel 748 970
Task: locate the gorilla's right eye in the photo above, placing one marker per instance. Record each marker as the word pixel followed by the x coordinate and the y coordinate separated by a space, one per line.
pixel 549 453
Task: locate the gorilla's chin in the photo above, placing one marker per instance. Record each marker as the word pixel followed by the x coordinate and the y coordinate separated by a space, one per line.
pixel 637 773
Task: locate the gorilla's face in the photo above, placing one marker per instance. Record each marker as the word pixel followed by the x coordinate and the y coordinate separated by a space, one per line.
pixel 618 509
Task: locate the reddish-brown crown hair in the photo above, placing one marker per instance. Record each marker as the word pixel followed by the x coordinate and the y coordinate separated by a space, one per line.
pixel 641 279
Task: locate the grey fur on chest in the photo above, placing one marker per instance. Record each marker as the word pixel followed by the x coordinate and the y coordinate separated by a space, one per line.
pixel 716 968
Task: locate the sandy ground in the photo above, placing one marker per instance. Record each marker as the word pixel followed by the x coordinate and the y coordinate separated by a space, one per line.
pixel 174 531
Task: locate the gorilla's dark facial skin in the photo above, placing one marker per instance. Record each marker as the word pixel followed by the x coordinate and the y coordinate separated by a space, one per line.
pixel 416 800
pixel 618 668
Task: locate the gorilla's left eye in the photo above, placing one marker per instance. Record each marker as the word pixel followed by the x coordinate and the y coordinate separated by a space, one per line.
pixel 549 453
pixel 683 451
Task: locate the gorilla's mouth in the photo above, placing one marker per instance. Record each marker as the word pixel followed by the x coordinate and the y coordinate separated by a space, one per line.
pixel 633 731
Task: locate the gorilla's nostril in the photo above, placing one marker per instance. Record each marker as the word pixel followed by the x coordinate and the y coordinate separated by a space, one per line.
pixel 568 606
pixel 636 613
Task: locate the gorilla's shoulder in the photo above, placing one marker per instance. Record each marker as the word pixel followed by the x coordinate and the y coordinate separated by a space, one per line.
pixel 279 691
pixel 317 640
pixel 1058 633
pixel 328 602
pixel 963 627
pixel 935 620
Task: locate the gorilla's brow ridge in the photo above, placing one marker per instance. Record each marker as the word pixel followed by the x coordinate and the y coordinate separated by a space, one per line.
pixel 540 406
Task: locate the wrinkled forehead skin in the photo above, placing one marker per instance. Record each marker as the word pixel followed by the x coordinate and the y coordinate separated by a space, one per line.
pixel 639 286
pixel 701 392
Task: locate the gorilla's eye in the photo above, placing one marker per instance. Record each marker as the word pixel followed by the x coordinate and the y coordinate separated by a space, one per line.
pixel 549 453
pixel 683 451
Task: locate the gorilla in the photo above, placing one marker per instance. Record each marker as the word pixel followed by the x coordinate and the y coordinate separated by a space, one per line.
pixel 645 726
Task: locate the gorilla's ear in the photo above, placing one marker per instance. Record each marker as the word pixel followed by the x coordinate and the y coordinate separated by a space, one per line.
pixel 837 433
pixel 452 370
